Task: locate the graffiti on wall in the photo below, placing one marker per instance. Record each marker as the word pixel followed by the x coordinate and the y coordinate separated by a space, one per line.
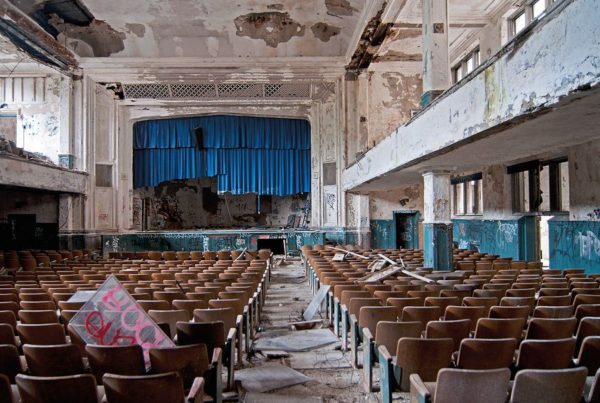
pixel 589 245
pixel 506 234
pixel 499 237
pixel 330 199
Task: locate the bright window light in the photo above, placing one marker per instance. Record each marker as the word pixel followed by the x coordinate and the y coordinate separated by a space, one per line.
pixel 520 22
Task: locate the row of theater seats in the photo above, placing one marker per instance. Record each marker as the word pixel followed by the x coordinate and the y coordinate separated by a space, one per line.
pixel 494 322
pixel 31 259
pixel 209 308
pixel 193 255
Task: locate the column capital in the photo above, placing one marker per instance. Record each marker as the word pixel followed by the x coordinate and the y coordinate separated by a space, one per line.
pixel 437 172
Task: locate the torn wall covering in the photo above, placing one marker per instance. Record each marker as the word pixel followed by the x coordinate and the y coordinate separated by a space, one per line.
pixel 194 203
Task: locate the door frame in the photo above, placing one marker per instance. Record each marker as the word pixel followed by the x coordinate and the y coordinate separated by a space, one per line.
pixel 413 217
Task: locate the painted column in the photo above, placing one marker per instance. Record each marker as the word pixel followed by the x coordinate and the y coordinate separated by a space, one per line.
pixel 497 193
pixel 66 157
pixel 437 224
pixel 436 71
pixel 357 220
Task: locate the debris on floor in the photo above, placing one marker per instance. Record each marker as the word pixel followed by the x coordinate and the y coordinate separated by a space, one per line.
pixel 273 398
pixel 332 378
pixel 269 377
pixel 302 340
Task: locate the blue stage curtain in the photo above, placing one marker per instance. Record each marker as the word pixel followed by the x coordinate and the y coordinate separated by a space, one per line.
pixel 267 156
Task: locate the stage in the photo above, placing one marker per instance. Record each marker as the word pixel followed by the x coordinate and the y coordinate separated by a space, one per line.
pixel 213 240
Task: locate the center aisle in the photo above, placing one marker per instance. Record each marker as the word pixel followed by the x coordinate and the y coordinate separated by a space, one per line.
pixel 332 377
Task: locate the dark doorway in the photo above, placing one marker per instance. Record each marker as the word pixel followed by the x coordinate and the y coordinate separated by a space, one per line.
pixel 21 230
pixel 407 233
pixel 277 245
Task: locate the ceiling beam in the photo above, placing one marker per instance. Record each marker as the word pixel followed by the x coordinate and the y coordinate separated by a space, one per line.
pixel 30 38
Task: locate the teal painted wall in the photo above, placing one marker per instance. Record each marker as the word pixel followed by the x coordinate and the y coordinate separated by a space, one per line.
pixel 438 246
pixel 340 236
pixel 383 234
pixel 213 241
pixel 507 238
pixel 575 244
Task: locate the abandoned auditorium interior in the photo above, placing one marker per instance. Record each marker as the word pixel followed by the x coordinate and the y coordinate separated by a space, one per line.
pixel 288 201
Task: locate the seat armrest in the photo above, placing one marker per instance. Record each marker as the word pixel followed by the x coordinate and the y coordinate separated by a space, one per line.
pixel 367 336
pixel 245 309
pixel 217 357
pixel 418 391
pixel 196 394
pixel 231 335
pixel 384 353
pixel 353 320
pixel 238 320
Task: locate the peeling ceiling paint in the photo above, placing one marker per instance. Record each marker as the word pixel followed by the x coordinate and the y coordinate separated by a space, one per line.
pixel 208 28
pixel 272 27
pixel 325 31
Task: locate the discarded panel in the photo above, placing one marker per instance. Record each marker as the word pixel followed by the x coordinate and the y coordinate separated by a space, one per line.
pixel 254 397
pixel 303 340
pixel 338 257
pixel 381 275
pixel 82 296
pixel 316 302
pixel 270 377
pixel 112 318
pixel 377 265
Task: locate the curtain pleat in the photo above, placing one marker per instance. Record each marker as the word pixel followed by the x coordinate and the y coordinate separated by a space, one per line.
pixel 267 156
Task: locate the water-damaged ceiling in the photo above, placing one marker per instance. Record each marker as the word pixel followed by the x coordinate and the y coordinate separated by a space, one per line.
pixel 465 17
pixel 192 28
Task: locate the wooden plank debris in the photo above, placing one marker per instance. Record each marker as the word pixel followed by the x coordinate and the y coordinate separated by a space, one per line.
pixel 316 302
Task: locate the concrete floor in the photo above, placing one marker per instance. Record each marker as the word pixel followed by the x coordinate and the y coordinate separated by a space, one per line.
pixel 334 379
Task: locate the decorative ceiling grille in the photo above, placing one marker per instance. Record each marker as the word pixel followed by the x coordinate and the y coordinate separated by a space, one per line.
pixel 193 91
pixel 240 90
pixel 147 91
pixel 295 90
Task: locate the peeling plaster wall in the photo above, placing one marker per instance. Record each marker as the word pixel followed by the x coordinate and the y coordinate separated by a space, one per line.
pixel 8 127
pixel 556 58
pixel 383 204
pixel 37 103
pixel 497 191
pixel 20 201
pixel 186 205
pixel 584 182
pixel 392 97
